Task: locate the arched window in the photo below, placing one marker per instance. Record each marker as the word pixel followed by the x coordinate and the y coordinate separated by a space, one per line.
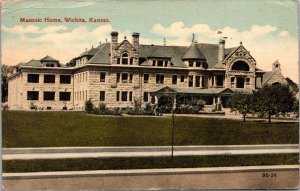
pixel 124 58
pixel 240 65
pixel 276 83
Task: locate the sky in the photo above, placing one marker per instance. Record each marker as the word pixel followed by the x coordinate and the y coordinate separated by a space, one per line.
pixel 267 28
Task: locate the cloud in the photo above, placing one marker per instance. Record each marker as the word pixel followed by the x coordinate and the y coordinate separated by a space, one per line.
pixel 263 42
pixel 284 34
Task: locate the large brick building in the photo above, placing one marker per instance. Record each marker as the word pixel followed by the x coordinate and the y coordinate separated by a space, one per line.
pixel 119 72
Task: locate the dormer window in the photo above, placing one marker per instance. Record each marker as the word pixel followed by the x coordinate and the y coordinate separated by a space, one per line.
pixel 160 63
pixel 198 64
pixel 49 65
pixel 191 63
pixel 124 58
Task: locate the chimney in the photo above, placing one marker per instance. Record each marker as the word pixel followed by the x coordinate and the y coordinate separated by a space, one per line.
pixel 135 40
pixel 114 39
pixel 135 43
pixel 113 46
pixel 221 52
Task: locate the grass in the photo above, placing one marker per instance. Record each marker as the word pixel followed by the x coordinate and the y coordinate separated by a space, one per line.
pixel 148 163
pixel 54 129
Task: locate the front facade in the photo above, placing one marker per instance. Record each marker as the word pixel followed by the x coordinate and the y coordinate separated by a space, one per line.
pixel 119 72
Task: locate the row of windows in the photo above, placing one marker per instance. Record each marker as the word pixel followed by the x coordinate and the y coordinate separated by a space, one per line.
pixel 124 96
pixel 80 96
pixel 125 59
pixel 81 77
pixel 197 64
pixel 48 96
pixel 49 78
pixel 160 78
pixel 160 63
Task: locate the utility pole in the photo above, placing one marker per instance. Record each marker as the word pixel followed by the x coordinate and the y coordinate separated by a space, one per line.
pixel 173 123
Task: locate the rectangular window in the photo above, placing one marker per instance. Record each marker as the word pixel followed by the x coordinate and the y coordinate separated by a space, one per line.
pixel 49 96
pixel 190 81
pixel 182 78
pixel 49 65
pixel 118 96
pixel 203 82
pixel 174 79
pixel 64 96
pixel 146 97
pixel 124 77
pixel 32 95
pixel 130 96
pixel 197 81
pixel 220 79
pixel 160 63
pixel 65 79
pixel 102 95
pixel 146 78
pixel 131 61
pixel 49 78
pixel 198 64
pixel 102 77
pixel 153 62
pixel 159 79
pixel 118 77
pixel 33 78
pixel 118 61
pixel 124 96
pixel 191 63
pixel 166 63
pixel 130 78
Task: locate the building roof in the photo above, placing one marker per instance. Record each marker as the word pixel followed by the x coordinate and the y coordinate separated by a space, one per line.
pixel 192 90
pixel 193 53
pixel 41 62
pixel 267 76
pixel 48 58
pixel 102 56
pixel 174 53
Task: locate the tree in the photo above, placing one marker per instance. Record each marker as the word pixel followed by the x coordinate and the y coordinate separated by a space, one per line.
pixel 274 99
pixel 242 103
pixel 4 82
pixel 294 87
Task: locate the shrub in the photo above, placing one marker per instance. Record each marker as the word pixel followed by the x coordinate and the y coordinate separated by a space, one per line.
pixel 89 106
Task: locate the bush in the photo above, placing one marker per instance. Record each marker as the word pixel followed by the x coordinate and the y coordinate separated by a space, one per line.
pixel 138 111
pixel 89 106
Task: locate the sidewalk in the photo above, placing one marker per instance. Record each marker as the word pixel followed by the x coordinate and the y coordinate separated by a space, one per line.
pixel 146 151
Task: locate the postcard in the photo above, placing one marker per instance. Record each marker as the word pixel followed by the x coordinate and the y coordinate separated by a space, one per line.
pixel 143 95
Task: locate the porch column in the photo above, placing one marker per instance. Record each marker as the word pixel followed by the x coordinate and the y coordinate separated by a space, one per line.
pixel 174 102
pixel 245 83
pixel 219 100
pixel 156 99
pixel 201 81
pixel 235 82
pixel 215 80
pixel 214 100
pixel 194 81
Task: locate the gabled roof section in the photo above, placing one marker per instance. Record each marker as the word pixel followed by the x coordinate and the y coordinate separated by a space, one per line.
pixel 193 53
pixel 34 63
pixel 125 40
pixel 48 58
pixel 267 76
pixel 102 56
pixel 237 48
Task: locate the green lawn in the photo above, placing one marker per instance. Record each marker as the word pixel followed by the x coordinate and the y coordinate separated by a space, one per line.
pixel 147 163
pixel 52 129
